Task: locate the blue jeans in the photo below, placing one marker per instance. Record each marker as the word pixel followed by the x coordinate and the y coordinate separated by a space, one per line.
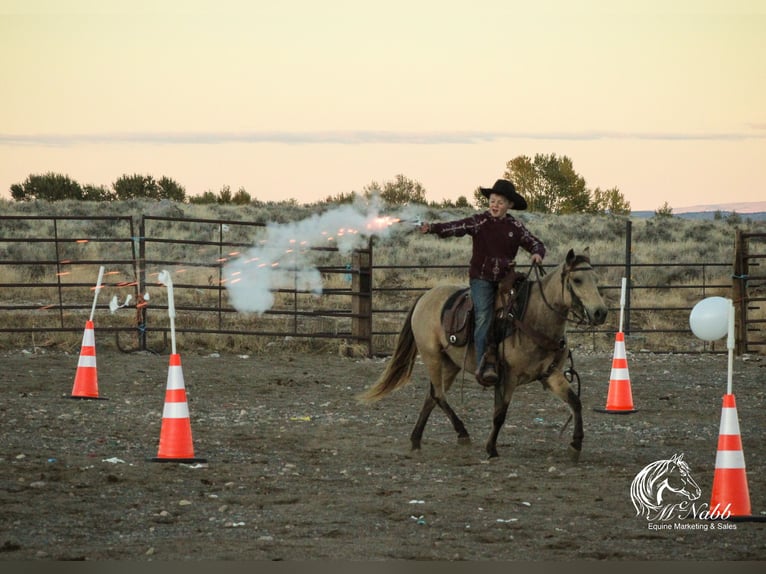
pixel 483 296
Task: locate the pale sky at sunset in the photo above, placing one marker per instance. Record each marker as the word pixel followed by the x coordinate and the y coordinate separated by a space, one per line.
pixel 663 99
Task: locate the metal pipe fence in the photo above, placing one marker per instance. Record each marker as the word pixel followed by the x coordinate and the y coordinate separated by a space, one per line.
pixel 48 266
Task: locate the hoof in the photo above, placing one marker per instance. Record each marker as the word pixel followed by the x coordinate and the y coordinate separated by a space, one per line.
pixel 464 440
pixel 574 454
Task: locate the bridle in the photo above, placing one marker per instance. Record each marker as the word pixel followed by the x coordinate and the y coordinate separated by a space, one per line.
pixel 576 312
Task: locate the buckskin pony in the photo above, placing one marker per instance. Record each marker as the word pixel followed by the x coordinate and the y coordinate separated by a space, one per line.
pixel 531 348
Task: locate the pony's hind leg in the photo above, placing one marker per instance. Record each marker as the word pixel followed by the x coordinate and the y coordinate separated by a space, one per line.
pixel 425 412
pixel 445 372
pixel 428 405
pixel 449 372
pixel 559 386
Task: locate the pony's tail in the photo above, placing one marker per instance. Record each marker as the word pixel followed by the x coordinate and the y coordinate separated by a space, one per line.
pixel 399 368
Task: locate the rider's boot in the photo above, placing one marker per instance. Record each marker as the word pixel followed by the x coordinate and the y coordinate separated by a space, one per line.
pixel 487 373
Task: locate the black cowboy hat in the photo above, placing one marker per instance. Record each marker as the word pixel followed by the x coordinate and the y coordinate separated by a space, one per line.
pixel 506 188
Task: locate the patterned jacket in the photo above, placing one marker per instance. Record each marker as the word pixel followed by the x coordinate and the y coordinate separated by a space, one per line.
pixel 496 242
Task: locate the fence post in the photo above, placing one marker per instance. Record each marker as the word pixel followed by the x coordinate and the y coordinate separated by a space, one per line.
pixel 142 311
pixel 361 301
pixel 628 279
pixel 739 293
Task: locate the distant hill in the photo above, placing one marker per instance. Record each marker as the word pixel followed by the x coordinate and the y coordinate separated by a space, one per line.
pixel 753 210
pixel 741 207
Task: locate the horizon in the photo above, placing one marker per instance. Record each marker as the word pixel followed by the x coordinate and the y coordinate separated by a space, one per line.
pixel 305 101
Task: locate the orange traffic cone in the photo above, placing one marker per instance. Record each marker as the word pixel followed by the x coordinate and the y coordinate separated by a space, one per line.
pixel 730 479
pixel 86 378
pixel 175 434
pixel 619 400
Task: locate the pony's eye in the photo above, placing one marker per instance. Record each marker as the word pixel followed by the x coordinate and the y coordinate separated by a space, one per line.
pixel 577 281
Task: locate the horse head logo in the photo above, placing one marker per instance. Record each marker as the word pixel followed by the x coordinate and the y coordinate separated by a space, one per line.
pixel 663 489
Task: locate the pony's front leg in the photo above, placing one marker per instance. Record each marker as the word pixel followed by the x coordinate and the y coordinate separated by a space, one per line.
pixel 502 400
pixel 559 386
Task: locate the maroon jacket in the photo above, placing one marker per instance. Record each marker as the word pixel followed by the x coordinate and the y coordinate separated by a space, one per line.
pixel 496 242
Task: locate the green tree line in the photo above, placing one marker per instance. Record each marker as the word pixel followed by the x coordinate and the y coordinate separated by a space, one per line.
pixel 548 182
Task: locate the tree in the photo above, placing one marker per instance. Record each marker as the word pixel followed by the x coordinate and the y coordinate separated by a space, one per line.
pixel 50 186
pixel 135 187
pixel 550 184
pixel 241 197
pixel 224 196
pixel 342 198
pixel 145 187
pixel 398 192
pixel 206 198
pixel 664 211
pixel 100 193
pixel 479 200
pixel 169 189
pixel 609 201
pixel 462 201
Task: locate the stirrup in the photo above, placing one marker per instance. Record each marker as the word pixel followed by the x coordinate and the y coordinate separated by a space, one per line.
pixel 487 375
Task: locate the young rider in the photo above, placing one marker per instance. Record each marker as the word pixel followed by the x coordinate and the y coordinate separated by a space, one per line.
pixel 497 237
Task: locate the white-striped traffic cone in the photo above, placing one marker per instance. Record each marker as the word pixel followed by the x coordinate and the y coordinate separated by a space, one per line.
pixel 176 443
pixel 86 378
pixel 730 478
pixel 619 399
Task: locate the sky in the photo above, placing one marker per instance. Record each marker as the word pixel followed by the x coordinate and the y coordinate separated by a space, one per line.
pixel 307 99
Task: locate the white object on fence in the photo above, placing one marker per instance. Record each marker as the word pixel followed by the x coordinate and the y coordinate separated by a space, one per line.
pixel 164 278
pixel 98 288
pixel 114 304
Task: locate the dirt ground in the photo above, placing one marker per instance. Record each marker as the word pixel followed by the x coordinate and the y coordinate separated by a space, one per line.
pixel 298 470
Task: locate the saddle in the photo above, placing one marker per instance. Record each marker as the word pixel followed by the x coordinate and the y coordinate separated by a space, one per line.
pixel 457 313
pixel 457 318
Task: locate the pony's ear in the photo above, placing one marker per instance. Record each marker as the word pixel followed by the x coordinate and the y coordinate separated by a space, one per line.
pixel 586 251
pixel 570 256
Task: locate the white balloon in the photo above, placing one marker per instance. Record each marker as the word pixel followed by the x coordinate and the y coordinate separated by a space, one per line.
pixel 709 318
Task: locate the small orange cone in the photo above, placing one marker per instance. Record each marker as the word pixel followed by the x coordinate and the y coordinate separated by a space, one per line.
pixel 175 435
pixel 619 400
pixel 86 378
pixel 730 479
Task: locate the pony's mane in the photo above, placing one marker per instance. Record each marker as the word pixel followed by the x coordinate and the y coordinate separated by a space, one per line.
pixel 580 259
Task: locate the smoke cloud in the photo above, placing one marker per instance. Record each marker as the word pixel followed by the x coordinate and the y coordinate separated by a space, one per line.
pixel 284 259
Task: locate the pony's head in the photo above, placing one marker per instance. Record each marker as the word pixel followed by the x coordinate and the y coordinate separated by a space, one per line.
pixel 662 487
pixel 579 285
